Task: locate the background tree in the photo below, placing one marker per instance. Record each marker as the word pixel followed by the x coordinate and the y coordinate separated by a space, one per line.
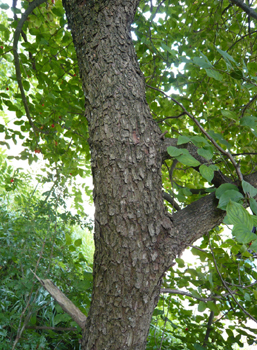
pixel 201 135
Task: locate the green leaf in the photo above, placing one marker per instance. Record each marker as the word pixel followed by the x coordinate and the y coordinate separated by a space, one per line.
pixel 247 296
pixel 4 6
pixel 238 215
pixel 167 48
pixel 199 141
pixel 252 68
pixel 201 306
pixel 255 294
pixel 18 122
pixel 88 276
pixel 243 234
pixel 158 312
pixel 202 254
pixel 26 85
pixel 253 205
pixel 248 188
pixel 249 120
pixel 254 246
pixel 183 156
pixel 180 262
pixel 206 153
pixel 229 114
pixel 201 62
pixel 214 74
pixel 68 239
pixel 188 160
pixel 58 11
pixel 78 242
pixel 237 74
pixel 206 172
pixel 61 318
pixel 83 285
pixel 226 56
pixel 2 28
pixel 183 139
pixel 229 332
pixel 218 137
pixel 213 307
pixel 232 195
pixel 225 187
pixel 174 151
pixel 72 248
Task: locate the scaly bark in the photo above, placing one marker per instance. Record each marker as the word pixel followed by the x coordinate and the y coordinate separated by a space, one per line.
pixel 130 224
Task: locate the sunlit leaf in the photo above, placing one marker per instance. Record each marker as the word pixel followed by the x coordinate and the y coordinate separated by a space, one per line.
pixel 238 215
pixel 174 151
pixel 225 187
pixel 206 172
pixel 229 195
pixel 201 306
pixel 243 234
pixel 248 188
pixel 206 153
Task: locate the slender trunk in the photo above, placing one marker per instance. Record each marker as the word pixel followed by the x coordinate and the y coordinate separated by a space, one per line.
pixel 130 221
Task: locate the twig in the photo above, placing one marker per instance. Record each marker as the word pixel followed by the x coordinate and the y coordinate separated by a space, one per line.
pixel 201 250
pixel 163 134
pixel 171 117
pixel 187 294
pixel 248 105
pixel 171 200
pixel 243 287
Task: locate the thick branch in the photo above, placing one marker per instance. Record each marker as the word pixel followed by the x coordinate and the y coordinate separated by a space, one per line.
pixel 64 302
pixel 245 8
pixel 198 218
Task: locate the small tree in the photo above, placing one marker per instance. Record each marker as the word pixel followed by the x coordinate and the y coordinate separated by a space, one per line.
pixel 148 143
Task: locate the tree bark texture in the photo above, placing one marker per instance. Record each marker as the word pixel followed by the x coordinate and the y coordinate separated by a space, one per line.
pixel 130 224
pixel 135 239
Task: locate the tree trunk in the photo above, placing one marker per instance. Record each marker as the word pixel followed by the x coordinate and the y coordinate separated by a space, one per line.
pixel 135 238
pixel 130 226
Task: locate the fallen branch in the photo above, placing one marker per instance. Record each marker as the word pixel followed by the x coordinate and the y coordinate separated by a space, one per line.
pixel 65 303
